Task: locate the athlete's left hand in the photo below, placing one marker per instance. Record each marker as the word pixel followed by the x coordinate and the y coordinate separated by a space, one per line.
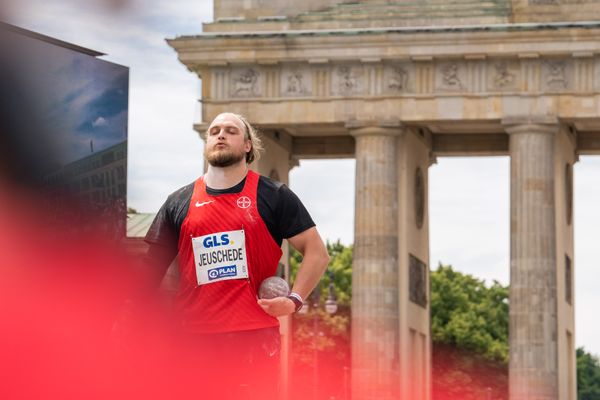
pixel 278 306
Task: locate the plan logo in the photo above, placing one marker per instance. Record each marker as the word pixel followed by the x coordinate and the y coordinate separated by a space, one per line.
pixel 222 272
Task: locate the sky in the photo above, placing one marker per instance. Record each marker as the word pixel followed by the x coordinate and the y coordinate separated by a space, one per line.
pixel 468 197
pixel 84 104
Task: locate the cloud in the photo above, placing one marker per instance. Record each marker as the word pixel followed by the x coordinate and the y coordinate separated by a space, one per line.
pixel 332 205
pixel 99 122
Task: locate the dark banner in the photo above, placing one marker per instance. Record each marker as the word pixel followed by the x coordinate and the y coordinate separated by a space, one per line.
pixel 64 126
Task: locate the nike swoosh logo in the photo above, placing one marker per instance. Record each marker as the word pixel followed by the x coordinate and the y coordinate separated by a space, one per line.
pixel 198 204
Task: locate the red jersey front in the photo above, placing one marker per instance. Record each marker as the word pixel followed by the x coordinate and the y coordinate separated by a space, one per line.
pixel 224 302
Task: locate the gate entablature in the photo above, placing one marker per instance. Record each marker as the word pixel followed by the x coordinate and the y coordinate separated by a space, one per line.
pixel 461 80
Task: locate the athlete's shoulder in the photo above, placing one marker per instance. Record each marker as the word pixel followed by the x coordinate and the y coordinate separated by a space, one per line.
pixel 183 194
pixel 177 204
pixel 289 216
pixel 167 222
pixel 269 184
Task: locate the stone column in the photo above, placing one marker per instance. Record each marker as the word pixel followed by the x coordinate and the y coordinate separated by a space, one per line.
pixel 533 365
pixel 375 310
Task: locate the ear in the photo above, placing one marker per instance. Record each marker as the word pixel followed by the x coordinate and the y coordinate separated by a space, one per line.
pixel 247 145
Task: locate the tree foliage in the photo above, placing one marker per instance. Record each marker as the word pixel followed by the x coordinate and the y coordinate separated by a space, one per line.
pixel 588 376
pixel 468 314
pixel 469 329
pixel 459 374
pixel 335 326
pixel 340 268
pixel 320 338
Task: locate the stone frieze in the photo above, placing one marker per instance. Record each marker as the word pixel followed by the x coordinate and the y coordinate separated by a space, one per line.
pixel 399 78
pixel 296 81
pixel 557 75
pixel 246 82
pixel 348 80
pixel 503 75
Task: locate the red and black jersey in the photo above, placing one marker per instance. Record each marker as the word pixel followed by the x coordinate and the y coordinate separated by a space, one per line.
pixel 274 212
pixel 283 213
pixel 228 305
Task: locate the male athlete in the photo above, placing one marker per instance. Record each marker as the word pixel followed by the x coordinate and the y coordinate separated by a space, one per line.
pixel 226 229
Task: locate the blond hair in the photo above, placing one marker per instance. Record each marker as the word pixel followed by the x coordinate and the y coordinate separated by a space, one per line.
pixel 252 135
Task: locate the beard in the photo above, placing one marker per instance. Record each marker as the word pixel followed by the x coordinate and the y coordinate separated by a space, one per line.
pixel 224 158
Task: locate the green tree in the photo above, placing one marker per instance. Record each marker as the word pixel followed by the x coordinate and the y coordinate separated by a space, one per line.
pixel 588 376
pixel 336 326
pixel 320 338
pixel 340 267
pixel 468 314
pixel 469 328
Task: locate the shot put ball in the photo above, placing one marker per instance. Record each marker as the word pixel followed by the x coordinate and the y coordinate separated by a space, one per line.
pixel 272 287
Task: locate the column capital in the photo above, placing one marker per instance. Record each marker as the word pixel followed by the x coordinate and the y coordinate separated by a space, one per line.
pixel 531 123
pixel 375 128
pixel 201 128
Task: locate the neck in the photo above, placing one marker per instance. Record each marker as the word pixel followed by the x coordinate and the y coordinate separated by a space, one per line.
pixel 224 178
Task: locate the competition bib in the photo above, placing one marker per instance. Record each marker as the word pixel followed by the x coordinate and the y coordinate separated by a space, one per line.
pixel 220 256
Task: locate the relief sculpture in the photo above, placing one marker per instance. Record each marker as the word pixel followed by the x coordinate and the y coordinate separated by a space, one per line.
pixel 245 83
pixel 450 78
pixel 295 84
pixel 348 82
pixel 417 281
pixel 556 77
pixel 419 198
pixel 398 79
pixel 503 77
pixel 295 81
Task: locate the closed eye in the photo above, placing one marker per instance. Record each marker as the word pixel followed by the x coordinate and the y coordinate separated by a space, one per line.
pixel 232 130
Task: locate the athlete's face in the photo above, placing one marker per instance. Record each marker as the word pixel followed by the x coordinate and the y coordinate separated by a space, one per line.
pixel 226 142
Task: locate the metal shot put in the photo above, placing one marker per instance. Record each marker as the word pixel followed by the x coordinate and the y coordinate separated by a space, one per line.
pixel 273 287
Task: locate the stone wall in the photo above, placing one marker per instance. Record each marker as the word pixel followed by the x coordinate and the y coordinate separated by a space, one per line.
pixel 278 15
pixel 555 10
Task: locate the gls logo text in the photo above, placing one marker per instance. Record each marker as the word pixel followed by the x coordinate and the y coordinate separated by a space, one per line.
pixel 216 241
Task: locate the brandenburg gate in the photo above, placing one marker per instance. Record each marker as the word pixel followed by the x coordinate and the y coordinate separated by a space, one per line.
pixel 396 84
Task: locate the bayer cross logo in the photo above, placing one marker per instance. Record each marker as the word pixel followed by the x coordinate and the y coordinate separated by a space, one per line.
pixel 243 202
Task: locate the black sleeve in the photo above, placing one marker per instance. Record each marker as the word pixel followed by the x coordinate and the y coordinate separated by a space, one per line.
pixel 293 217
pixel 164 231
pixel 280 208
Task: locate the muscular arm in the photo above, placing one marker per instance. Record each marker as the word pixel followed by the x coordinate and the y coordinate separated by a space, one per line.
pixel 314 260
pixel 314 264
pixel 154 265
pixel 163 236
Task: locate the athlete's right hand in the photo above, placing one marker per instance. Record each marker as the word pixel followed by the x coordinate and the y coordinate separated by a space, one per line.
pixel 278 306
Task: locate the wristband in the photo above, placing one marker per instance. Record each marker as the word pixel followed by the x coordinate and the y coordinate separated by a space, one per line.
pixel 297 299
